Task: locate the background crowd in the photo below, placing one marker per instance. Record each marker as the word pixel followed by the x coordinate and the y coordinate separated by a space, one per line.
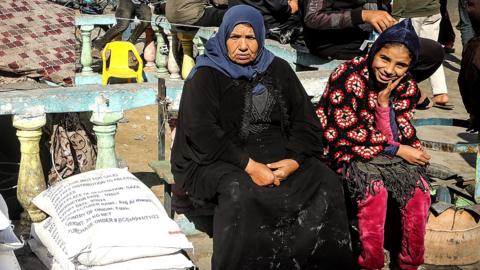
pixel 332 30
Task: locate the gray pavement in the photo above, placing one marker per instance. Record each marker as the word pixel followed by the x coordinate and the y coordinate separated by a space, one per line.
pixel 463 164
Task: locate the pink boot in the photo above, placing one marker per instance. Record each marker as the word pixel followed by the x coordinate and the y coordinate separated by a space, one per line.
pixel 371 220
pixel 414 221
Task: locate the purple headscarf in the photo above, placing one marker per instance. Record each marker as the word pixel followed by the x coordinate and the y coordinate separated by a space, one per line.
pixel 402 32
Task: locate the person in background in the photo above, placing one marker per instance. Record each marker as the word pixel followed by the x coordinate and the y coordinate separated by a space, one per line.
pixel 426 17
pixel 446 36
pixel 337 29
pixel 282 18
pixel 126 11
pixel 248 139
pixel 466 29
pixel 193 12
pixel 366 114
pixel 469 76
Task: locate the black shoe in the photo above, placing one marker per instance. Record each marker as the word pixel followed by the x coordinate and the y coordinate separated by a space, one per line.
pixel 424 105
pixel 444 106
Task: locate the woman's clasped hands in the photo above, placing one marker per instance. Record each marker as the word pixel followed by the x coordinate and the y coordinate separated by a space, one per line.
pixel 272 173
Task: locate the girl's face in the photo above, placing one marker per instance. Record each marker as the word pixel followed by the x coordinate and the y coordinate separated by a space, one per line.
pixel 242 46
pixel 390 63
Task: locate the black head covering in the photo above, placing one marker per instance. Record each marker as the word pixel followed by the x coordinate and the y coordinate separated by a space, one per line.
pixel 402 32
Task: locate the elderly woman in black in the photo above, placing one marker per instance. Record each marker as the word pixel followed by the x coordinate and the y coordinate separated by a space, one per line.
pixel 248 139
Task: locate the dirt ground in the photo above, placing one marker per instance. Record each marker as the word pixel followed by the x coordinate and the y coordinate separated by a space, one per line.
pixel 136 139
pixel 136 144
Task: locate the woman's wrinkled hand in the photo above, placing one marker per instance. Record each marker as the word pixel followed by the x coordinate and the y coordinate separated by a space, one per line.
pixel 260 173
pixel 412 155
pixel 282 169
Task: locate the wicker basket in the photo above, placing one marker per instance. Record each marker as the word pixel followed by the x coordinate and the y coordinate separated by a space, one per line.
pixel 457 244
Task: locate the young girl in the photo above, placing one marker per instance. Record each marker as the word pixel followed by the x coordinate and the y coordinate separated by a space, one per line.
pixel 365 112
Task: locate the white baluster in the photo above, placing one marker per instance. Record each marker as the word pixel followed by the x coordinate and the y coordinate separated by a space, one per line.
pixel 172 64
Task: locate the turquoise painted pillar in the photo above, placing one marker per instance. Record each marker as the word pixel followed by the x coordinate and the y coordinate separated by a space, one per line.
pixel 31 180
pixel 86 55
pixel 105 126
pixel 161 53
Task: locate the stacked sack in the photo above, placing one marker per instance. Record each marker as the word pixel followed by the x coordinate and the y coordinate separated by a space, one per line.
pixel 108 220
pixel 8 240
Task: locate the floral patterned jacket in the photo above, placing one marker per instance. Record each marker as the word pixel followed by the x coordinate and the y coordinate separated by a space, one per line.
pixel 347 114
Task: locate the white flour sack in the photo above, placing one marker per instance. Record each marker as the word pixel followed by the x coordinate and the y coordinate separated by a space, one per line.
pixel 60 261
pixel 106 216
pixel 174 261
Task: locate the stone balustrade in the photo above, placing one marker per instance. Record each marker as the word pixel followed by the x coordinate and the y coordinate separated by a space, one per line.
pixel 164 62
pixel 161 58
pixel 30 107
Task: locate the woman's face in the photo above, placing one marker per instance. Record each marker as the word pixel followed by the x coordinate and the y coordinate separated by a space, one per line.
pixel 390 63
pixel 242 46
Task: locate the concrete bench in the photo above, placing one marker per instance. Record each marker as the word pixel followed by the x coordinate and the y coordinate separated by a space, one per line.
pixel 163 170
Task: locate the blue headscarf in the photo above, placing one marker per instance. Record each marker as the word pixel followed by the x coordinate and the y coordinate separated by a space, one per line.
pixel 216 54
pixel 402 32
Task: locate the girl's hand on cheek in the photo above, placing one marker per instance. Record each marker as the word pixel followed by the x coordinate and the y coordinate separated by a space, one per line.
pixel 383 98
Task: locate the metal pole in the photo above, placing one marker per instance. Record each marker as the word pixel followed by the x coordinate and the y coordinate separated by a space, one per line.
pixel 162 117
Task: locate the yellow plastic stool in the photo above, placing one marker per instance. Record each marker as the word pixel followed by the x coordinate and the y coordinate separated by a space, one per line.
pixel 118 67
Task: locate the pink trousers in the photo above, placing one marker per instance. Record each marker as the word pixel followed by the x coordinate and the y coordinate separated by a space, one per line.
pixel 371 218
